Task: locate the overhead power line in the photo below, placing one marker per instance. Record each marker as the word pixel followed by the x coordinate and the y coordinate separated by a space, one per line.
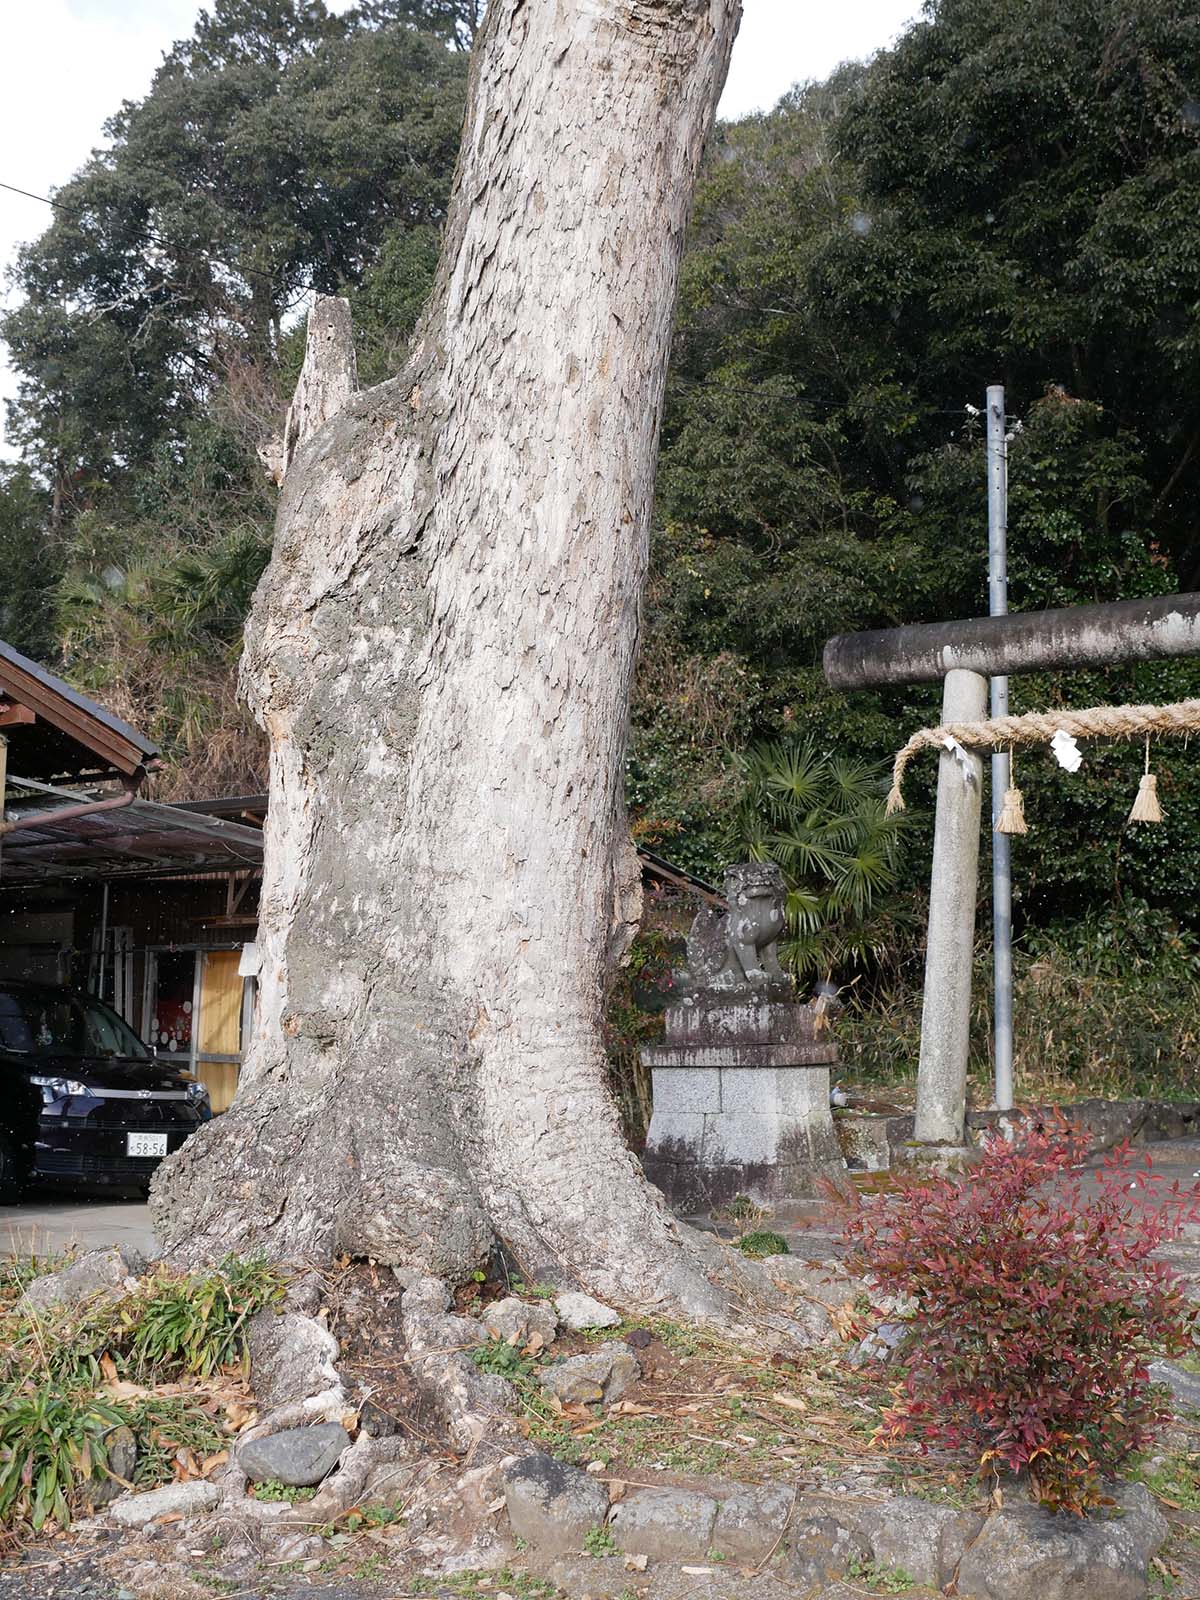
pixel 156 238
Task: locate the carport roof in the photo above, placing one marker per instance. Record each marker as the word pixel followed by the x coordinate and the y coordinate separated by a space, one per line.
pixel 143 839
pixel 146 839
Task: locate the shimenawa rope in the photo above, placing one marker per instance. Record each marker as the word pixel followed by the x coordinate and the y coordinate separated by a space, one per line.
pixel 1039 727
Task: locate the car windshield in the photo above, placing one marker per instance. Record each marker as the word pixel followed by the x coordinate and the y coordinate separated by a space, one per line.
pixel 49 1022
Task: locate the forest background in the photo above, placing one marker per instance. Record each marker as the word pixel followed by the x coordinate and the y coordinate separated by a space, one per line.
pixel 1005 197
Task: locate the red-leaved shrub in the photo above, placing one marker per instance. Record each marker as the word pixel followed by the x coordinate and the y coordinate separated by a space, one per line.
pixel 1036 1306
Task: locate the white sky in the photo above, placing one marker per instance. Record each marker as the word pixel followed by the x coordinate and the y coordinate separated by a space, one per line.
pixel 66 65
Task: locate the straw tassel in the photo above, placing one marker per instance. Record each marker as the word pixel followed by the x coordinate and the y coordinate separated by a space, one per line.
pixel 895 801
pixel 1012 812
pixel 1145 806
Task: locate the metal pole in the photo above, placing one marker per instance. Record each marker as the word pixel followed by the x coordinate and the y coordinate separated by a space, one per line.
pixel 103 940
pixel 3 777
pixel 997 479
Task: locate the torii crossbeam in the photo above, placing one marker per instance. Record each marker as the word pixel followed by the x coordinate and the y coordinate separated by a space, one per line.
pixel 965 654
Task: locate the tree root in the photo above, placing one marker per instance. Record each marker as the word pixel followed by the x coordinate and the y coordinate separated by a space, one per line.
pixel 477 1407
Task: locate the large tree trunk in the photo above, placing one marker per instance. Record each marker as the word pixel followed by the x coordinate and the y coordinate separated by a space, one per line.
pixel 441 653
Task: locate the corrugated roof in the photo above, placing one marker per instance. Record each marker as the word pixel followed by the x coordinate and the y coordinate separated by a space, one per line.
pixel 141 839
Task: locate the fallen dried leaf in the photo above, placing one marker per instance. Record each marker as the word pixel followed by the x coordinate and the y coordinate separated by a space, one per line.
pixel 121 1389
pixel 239 1416
pixel 635 1563
pixel 793 1402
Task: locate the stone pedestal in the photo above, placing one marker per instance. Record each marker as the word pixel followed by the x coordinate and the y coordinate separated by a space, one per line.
pixel 741 1103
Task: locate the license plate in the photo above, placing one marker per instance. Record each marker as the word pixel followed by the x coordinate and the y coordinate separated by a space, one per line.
pixel 145 1144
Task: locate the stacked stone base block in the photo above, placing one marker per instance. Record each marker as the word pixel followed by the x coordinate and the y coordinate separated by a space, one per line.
pixel 741 1106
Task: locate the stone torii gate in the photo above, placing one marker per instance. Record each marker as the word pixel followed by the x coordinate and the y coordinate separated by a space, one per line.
pixel 964 655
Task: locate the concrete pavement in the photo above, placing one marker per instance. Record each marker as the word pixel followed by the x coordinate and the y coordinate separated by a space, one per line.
pixel 45 1224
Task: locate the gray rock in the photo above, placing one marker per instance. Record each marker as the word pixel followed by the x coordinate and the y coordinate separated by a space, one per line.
pixel 298 1547
pixel 115 1270
pixel 924 1538
pixel 605 1374
pixel 580 1311
pixel 1184 1385
pixel 424 1296
pixel 121 1449
pixel 552 1506
pixel 1025 1550
pixel 879 1346
pixel 464 1331
pixel 750 1523
pixel 305 1294
pixel 821 1550
pixel 516 1321
pixel 574 1385
pixel 664 1524
pixel 817 1287
pixel 377 1421
pixel 191 1499
pixel 299 1457
pixel 291 1357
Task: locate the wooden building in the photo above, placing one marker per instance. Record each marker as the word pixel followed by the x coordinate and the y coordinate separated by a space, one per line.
pixel 152 907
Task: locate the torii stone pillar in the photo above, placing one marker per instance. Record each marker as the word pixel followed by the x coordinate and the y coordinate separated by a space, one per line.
pixel 965 654
pixel 946 1006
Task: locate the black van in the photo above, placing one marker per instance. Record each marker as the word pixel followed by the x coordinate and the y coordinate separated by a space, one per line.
pixel 83 1102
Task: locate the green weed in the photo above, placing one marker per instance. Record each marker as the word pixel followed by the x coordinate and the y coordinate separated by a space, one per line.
pixel 502 1359
pixel 197 1322
pixel 883 1579
pixel 51 1447
pixel 763 1243
pixel 377 1516
pixel 1177 1478
pixel 470 1585
pixel 54 1414
pixel 163 1425
pixel 285 1493
pixel 599 1542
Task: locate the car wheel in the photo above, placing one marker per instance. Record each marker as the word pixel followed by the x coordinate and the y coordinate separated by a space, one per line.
pixel 12 1171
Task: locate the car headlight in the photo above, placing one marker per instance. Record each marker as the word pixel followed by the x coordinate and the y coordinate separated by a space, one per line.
pixel 58 1088
pixel 197 1095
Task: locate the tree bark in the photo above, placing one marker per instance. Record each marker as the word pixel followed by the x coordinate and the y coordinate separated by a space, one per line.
pixel 441 654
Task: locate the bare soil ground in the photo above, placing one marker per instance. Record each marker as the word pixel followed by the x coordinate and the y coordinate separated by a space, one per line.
pixel 703 1406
